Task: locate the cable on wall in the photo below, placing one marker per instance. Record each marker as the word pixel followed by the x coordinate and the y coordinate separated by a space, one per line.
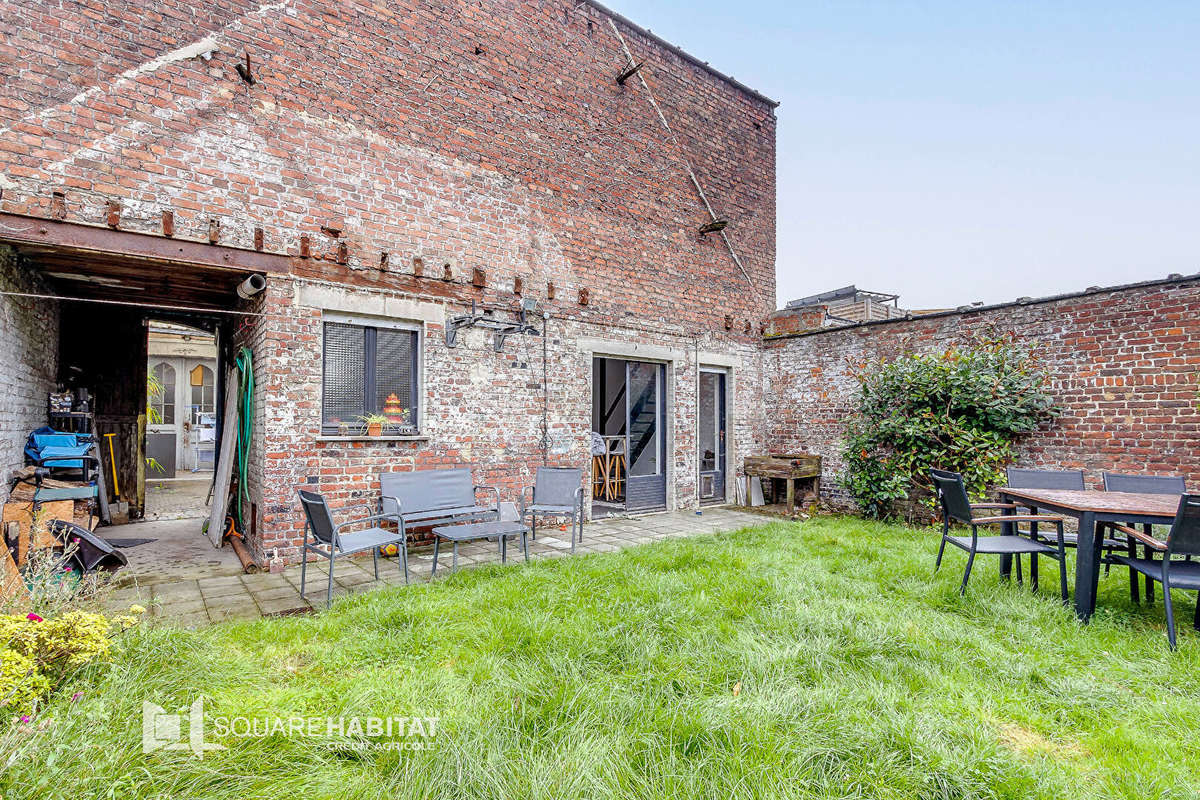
pixel 686 164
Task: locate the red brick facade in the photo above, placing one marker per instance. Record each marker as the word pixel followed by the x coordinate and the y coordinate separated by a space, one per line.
pixel 1125 368
pixel 431 154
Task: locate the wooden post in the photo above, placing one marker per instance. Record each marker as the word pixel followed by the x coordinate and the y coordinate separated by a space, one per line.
pixel 791 495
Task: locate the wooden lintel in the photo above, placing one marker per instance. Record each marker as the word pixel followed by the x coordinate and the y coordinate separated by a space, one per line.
pixel 35 232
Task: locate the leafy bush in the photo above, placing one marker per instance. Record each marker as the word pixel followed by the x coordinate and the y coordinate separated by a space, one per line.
pixel 37 655
pixel 960 410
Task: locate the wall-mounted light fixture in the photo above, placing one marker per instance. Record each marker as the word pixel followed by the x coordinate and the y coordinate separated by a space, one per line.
pixel 487 319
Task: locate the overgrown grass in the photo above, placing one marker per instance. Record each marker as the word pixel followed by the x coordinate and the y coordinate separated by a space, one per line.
pixel 821 659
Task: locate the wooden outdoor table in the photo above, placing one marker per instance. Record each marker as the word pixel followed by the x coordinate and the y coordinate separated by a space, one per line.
pixel 1090 508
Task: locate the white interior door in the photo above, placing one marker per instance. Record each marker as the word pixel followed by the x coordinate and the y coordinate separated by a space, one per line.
pixel 166 416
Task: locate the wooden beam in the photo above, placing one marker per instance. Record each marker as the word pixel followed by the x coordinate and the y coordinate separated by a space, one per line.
pixel 21 230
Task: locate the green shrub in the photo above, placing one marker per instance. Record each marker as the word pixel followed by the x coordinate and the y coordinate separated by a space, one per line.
pixel 37 655
pixel 960 410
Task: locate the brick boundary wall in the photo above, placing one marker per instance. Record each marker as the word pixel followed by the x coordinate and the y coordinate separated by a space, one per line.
pixel 28 360
pixel 1125 365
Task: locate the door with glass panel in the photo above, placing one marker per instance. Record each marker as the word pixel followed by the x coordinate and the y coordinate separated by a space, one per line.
pixel 629 442
pixel 646 486
pixel 164 416
pixel 711 452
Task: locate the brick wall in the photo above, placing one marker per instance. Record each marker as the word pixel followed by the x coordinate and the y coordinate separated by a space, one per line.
pixel 1125 366
pixel 28 360
pixel 481 135
pixel 411 144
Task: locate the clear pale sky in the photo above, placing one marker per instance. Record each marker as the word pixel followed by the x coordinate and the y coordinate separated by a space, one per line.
pixel 968 151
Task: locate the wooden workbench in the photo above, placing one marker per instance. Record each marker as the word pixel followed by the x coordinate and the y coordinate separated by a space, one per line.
pixel 788 468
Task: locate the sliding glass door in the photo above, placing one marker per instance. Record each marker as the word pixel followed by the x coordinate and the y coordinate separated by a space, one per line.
pixel 628 415
pixel 645 414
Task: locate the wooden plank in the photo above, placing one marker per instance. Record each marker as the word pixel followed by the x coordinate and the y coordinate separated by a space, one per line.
pixel 12 587
pixel 90 242
pixel 780 472
pixel 799 466
pixel 21 513
pixel 1134 504
pixel 220 505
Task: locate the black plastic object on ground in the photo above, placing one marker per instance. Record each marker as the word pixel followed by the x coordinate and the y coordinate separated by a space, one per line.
pixel 91 553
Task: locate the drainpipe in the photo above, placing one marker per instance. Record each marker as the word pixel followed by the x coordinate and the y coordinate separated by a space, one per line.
pixel 545 388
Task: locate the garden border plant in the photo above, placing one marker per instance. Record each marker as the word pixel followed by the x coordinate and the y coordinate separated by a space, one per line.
pixel 962 409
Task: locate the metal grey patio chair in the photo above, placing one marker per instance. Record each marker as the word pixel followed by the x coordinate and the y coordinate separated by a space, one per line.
pixel 557 492
pixel 1143 484
pixel 1183 539
pixel 957 507
pixel 326 532
pixel 1072 480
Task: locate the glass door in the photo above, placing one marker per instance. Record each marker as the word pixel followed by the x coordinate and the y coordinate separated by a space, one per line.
pixel 165 416
pixel 711 453
pixel 645 412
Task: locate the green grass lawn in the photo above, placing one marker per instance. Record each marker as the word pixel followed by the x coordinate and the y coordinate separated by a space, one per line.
pixel 821 659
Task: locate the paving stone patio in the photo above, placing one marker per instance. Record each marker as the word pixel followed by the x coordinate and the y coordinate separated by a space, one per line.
pixel 202 600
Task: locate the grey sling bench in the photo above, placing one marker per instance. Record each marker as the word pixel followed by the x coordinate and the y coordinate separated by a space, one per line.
pixel 429 497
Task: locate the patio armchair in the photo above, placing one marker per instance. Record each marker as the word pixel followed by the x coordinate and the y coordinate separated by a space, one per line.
pixel 328 533
pixel 556 492
pixel 957 507
pixel 1143 484
pixel 1182 540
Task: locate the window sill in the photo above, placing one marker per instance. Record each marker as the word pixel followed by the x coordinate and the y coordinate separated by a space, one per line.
pixel 362 437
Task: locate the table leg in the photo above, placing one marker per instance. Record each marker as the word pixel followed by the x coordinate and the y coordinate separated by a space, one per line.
pixel 1087 562
pixel 436 543
pixel 1149 531
pixel 1007 529
pixel 503 549
pixel 1033 559
pixel 455 565
pixel 791 495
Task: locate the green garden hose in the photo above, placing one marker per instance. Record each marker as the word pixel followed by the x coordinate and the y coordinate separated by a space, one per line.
pixel 245 366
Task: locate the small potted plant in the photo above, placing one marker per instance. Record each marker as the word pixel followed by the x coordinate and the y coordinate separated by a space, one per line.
pixel 374 423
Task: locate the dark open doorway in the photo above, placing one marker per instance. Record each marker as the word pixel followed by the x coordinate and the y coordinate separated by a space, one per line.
pixel 181 419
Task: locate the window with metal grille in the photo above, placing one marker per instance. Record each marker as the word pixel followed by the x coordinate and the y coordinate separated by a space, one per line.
pixel 369 369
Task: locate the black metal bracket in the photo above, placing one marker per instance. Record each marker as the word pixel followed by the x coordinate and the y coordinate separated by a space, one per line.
pixel 630 70
pixel 487 319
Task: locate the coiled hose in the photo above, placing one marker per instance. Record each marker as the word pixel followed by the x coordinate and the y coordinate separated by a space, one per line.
pixel 245 367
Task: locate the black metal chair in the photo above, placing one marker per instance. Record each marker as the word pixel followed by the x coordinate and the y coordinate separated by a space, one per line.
pixel 1070 480
pixel 1183 539
pixel 328 533
pixel 956 506
pixel 557 492
pixel 1143 484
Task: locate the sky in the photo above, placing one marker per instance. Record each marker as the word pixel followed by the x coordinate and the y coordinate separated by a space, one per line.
pixel 959 151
